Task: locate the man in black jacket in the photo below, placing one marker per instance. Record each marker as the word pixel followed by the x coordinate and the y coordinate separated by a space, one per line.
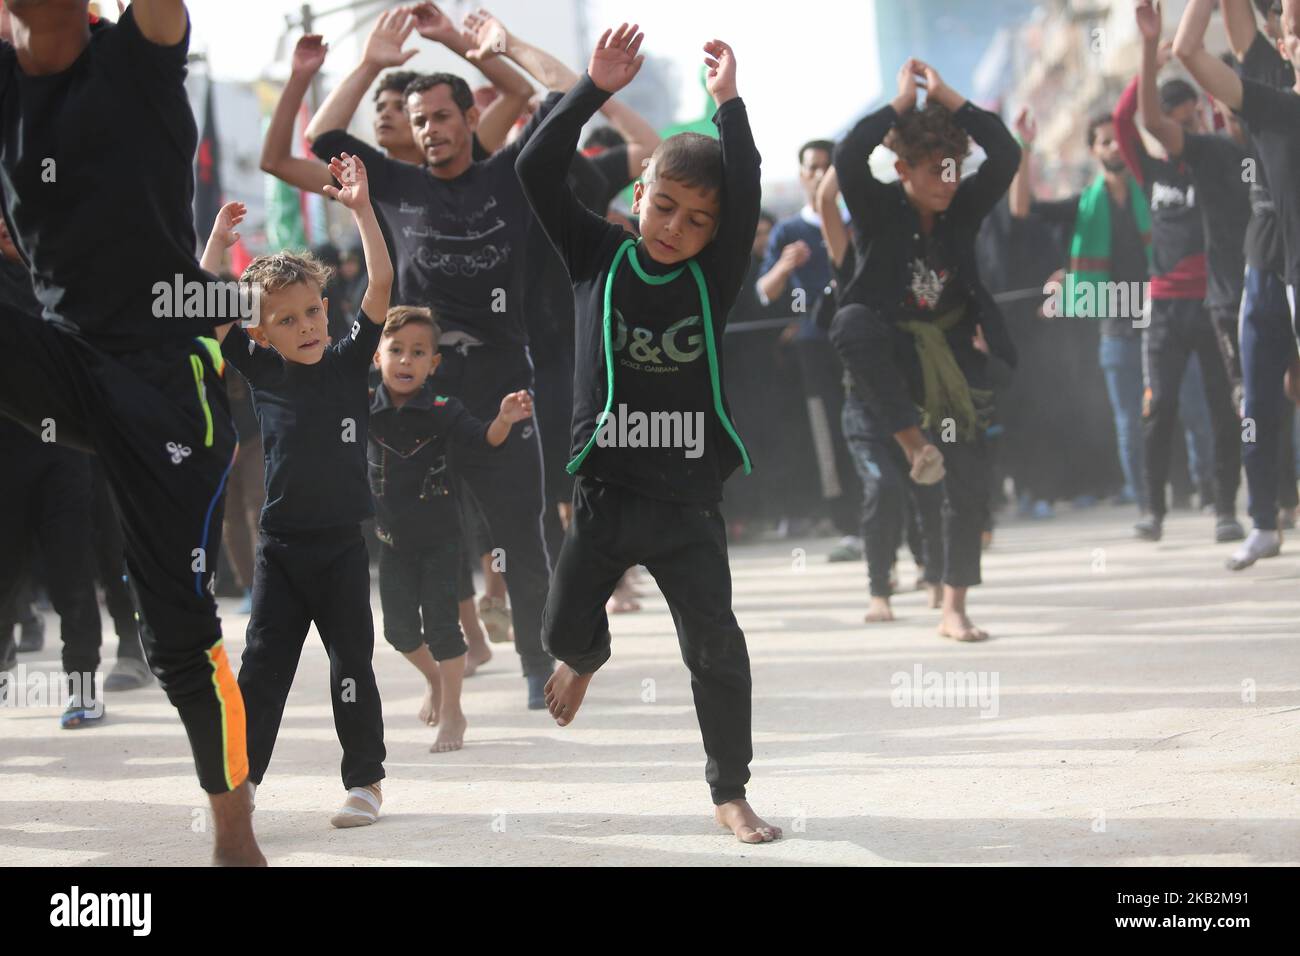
pixel 911 311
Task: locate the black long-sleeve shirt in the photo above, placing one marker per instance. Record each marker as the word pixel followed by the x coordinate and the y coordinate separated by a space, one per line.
pixel 887 229
pixel 658 338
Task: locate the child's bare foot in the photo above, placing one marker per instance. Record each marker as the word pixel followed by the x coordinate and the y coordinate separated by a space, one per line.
pixel 451 735
pixel 739 817
pixel 430 705
pixel 564 693
pixel 927 465
pixel 958 626
pixel 879 610
pixel 936 594
pixel 476 657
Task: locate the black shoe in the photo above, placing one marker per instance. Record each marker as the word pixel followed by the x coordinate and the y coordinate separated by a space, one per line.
pixel 32 638
pixel 128 673
pixel 537 691
pixel 1228 528
pixel 1149 528
pixel 8 654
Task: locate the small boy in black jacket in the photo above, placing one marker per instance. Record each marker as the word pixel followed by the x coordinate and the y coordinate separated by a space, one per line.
pixel 652 437
pixel 416 515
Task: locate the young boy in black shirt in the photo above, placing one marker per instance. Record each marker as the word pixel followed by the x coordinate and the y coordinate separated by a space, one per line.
pixel 416 514
pixel 905 332
pixel 649 322
pixel 81 105
pixel 312 405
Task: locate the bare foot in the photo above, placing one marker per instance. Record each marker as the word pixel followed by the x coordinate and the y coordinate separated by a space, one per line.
pixel 879 610
pixel 927 465
pixel 621 604
pixel 960 628
pixel 936 594
pixel 739 817
pixel 564 693
pixel 232 814
pixel 430 705
pixel 476 657
pixel 451 735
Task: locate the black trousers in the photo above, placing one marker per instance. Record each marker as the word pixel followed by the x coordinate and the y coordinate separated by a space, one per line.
pixel 554 413
pixel 881 361
pixel 417 591
pixel 321 577
pixel 45 501
pixel 823 388
pixel 684 547
pixel 507 483
pixel 1178 329
pixel 166 443
pixel 891 501
pixel 110 564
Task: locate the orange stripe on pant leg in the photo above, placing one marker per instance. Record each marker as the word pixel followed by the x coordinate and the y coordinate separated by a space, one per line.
pixel 234 742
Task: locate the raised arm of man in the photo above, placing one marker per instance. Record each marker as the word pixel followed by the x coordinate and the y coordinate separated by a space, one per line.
pixel 383 50
pixel 277 148
pixel 1154 121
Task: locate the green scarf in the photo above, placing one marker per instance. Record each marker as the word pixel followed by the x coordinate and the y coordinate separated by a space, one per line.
pixel 628 249
pixel 1090 246
pixel 947 393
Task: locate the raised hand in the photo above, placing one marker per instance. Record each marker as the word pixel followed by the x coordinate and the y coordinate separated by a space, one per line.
pixel 223 227
pixel 354 193
pixel 907 88
pixel 721 78
pixel 1149 19
pixel 1026 127
pixel 384 45
pixel 615 61
pixel 486 35
pixel 516 406
pixel 1164 53
pixel 309 54
pixel 935 88
pixel 431 23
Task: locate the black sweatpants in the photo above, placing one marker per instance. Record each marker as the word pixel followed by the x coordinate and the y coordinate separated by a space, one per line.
pixel 554 413
pixel 507 483
pixel 320 577
pixel 1179 328
pixel 882 364
pixel 110 563
pixel 417 591
pixel 823 389
pixel 684 547
pixel 159 421
pixel 891 501
pixel 45 501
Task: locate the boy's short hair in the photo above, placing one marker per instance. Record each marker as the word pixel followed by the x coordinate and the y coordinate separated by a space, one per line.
pixel 1264 6
pixel 395 81
pixel 825 145
pixel 1097 122
pixel 461 94
pixel 400 316
pixel 919 134
pixel 282 269
pixel 1174 93
pixel 692 159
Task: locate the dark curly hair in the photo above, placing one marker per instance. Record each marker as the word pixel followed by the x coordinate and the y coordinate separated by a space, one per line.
pixel 920 134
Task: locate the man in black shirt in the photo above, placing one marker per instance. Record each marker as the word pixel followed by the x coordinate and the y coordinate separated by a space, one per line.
pixel 79 107
pixel 313 405
pixel 1268 346
pixel 650 317
pixel 1272 116
pixel 1124 263
pixel 458 229
pixel 915 304
pixel 1179 325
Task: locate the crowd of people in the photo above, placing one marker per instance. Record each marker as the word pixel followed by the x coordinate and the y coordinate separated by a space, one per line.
pixel 516 376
